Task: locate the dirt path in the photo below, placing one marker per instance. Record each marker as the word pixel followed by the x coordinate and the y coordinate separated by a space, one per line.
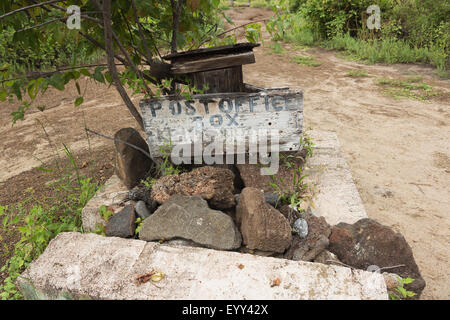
pixel 398 150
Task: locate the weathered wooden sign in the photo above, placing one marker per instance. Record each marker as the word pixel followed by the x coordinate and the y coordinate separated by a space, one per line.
pixel 176 121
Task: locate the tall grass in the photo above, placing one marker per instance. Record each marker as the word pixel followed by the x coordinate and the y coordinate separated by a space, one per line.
pixel 388 50
pixel 295 29
pixel 317 23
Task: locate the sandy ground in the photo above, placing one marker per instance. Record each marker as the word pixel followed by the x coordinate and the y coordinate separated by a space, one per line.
pixel 398 150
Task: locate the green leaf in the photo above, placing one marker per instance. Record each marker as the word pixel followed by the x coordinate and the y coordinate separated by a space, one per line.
pixel 33 88
pixel 408 280
pixel 78 101
pixel 98 76
pixel 402 291
pixel 17 90
pixel 85 72
pixel 57 81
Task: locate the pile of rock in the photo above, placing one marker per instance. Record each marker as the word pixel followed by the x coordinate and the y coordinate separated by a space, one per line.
pixel 202 207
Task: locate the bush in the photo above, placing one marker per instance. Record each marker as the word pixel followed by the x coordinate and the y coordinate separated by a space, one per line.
pixel 52 53
pixel 416 31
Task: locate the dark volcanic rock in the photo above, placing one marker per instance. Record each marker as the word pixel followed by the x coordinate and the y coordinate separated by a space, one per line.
pixel 142 194
pixel 368 242
pixel 271 198
pixel 189 217
pixel 122 224
pixel 213 184
pixel 316 241
pixel 132 164
pixel 251 173
pixel 262 226
pixel 290 214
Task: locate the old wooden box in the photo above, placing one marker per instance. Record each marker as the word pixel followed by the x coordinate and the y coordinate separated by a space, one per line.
pixel 214 70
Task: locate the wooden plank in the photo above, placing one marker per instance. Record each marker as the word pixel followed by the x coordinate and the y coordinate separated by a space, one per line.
pixel 205 52
pixel 223 116
pixel 212 63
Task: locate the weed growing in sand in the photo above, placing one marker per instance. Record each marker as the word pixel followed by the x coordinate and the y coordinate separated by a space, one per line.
pixel 358 73
pixel 412 88
pixel 306 61
pixel 307 144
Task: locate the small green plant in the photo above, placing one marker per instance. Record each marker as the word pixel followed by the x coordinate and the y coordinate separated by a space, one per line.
pixel 307 144
pixel 166 167
pixel 253 32
pixel 105 212
pixel 400 292
pixel 358 73
pixel 148 182
pixel 139 222
pixel 295 195
pixel 100 229
pixel 288 160
pixel 306 61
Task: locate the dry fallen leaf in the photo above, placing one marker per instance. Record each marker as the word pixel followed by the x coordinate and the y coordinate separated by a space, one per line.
pixel 241 266
pixel 157 277
pixel 275 282
pixel 153 275
pixel 145 277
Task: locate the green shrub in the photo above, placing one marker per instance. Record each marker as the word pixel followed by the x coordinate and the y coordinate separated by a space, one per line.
pixel 412 31
pixel 38 225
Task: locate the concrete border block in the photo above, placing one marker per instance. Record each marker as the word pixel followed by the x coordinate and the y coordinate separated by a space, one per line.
pixel 88 266
pixel 337 197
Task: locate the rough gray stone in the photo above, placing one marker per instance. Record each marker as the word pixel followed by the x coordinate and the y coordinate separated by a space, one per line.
pixel 132 164
pixel 141 210
pixel 262 226
pixel 122 224
pixel 189 217
pixel 89 266
pixel 300 226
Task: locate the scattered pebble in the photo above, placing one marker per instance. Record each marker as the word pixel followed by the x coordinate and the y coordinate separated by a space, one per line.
pixel 301 227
